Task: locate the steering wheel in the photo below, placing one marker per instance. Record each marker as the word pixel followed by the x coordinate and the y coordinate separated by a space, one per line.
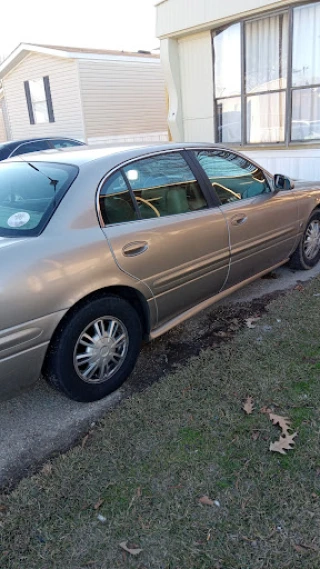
pixel 156 211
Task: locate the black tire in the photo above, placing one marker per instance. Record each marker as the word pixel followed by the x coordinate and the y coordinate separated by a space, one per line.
pixel 61 363
pixel 300 258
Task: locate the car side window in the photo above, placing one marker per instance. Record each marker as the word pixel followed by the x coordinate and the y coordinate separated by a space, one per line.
pixel 116 205
pixel 164 185
pixel 64 143
pixel 26 147
pixel 233 177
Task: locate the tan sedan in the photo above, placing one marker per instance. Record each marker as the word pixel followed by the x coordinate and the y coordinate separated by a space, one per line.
pixel 104 248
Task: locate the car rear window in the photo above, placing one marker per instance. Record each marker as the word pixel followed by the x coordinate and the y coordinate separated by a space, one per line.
pixel 29 194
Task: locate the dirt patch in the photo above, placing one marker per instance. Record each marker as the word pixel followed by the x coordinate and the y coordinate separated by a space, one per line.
pixel 207 330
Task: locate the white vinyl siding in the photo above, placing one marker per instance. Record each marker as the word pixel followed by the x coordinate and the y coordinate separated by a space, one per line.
pixel 195 55
pixel 3 134
pixel 63 76
pixel 177 16
pixel 122 98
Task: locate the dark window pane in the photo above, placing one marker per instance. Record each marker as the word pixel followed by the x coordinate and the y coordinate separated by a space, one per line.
pixel 267 53
pixel 227 62
pixel 305 114
pixel 306 45
pixel 233 177
pixel 266 118
pixel 164 185
pixel 229 120
pixel 116 205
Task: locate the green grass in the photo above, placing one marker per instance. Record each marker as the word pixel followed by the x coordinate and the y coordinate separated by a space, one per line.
pixel 152 458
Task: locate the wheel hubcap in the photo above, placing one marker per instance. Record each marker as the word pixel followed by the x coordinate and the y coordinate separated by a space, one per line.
pixel 101 349
pixel 311 245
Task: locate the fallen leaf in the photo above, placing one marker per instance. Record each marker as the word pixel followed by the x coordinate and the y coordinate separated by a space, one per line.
pixel 206 501
pixel 299 287
pixel 283 444
pixel 283 422
pixel 248 406
pixel 255 435
pixel 132 551
pixel 3 508
pixel 47 469
pixel 304 547
pixel 249 322
pixel 84 441
pixel 139 492
pixel 98 504
pixel 265 410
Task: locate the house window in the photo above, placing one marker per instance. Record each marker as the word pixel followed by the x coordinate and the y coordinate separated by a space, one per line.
pixel 267 78
pixel 39 102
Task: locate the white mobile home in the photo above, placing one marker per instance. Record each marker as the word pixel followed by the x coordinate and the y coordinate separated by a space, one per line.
pixel 92 95
pixel 246 73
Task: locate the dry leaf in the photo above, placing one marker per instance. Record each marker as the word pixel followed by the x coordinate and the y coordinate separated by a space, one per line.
pixel 206 501
pixel 265 410
pixel 47 469
pixel 299 287
pixel 3 508
pixel 248 406
pixel 98 504
pixel 283 444
pixel 132 551
pixel 84 441
pixel 249 322
pixel 255 435
pixel 283 422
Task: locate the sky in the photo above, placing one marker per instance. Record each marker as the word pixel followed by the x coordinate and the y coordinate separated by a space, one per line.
pixel 107 24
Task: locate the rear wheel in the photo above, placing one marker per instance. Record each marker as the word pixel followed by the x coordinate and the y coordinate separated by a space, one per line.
pixel 307 253
pixel 96 349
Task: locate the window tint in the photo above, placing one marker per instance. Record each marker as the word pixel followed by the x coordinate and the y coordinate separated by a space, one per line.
pixel 31 147
pixel 5 151
pixel 232 177
pixel 64 143
pixel 164 185
pixel 28 196
pixel 116 205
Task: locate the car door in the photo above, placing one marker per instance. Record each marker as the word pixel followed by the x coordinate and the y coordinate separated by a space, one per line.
pixel 163 230
pixel 263 224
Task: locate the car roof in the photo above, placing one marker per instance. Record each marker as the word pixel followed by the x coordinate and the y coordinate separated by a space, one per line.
pixel 80 155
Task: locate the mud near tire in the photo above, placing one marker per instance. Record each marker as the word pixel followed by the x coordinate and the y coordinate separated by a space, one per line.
pixel 207 330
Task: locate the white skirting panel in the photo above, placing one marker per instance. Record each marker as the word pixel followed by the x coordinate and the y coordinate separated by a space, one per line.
pixel 144 137
pixel 303 164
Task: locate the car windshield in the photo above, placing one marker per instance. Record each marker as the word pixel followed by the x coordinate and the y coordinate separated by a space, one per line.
pixel 29 194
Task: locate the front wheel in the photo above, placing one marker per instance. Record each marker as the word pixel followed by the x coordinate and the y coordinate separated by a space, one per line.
pixel 96 349
pixel 307 253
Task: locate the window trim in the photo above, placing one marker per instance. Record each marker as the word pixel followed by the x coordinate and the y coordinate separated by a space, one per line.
pixel 48 99
pixel 287 142
pixel 194 167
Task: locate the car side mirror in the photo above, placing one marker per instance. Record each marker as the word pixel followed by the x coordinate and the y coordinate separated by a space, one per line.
pixel 280 182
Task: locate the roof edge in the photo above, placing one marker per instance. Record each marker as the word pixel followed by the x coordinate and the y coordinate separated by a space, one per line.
pixel 18 54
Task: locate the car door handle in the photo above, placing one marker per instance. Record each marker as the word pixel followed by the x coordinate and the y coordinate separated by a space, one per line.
pixel 135 248
pixel 238 220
